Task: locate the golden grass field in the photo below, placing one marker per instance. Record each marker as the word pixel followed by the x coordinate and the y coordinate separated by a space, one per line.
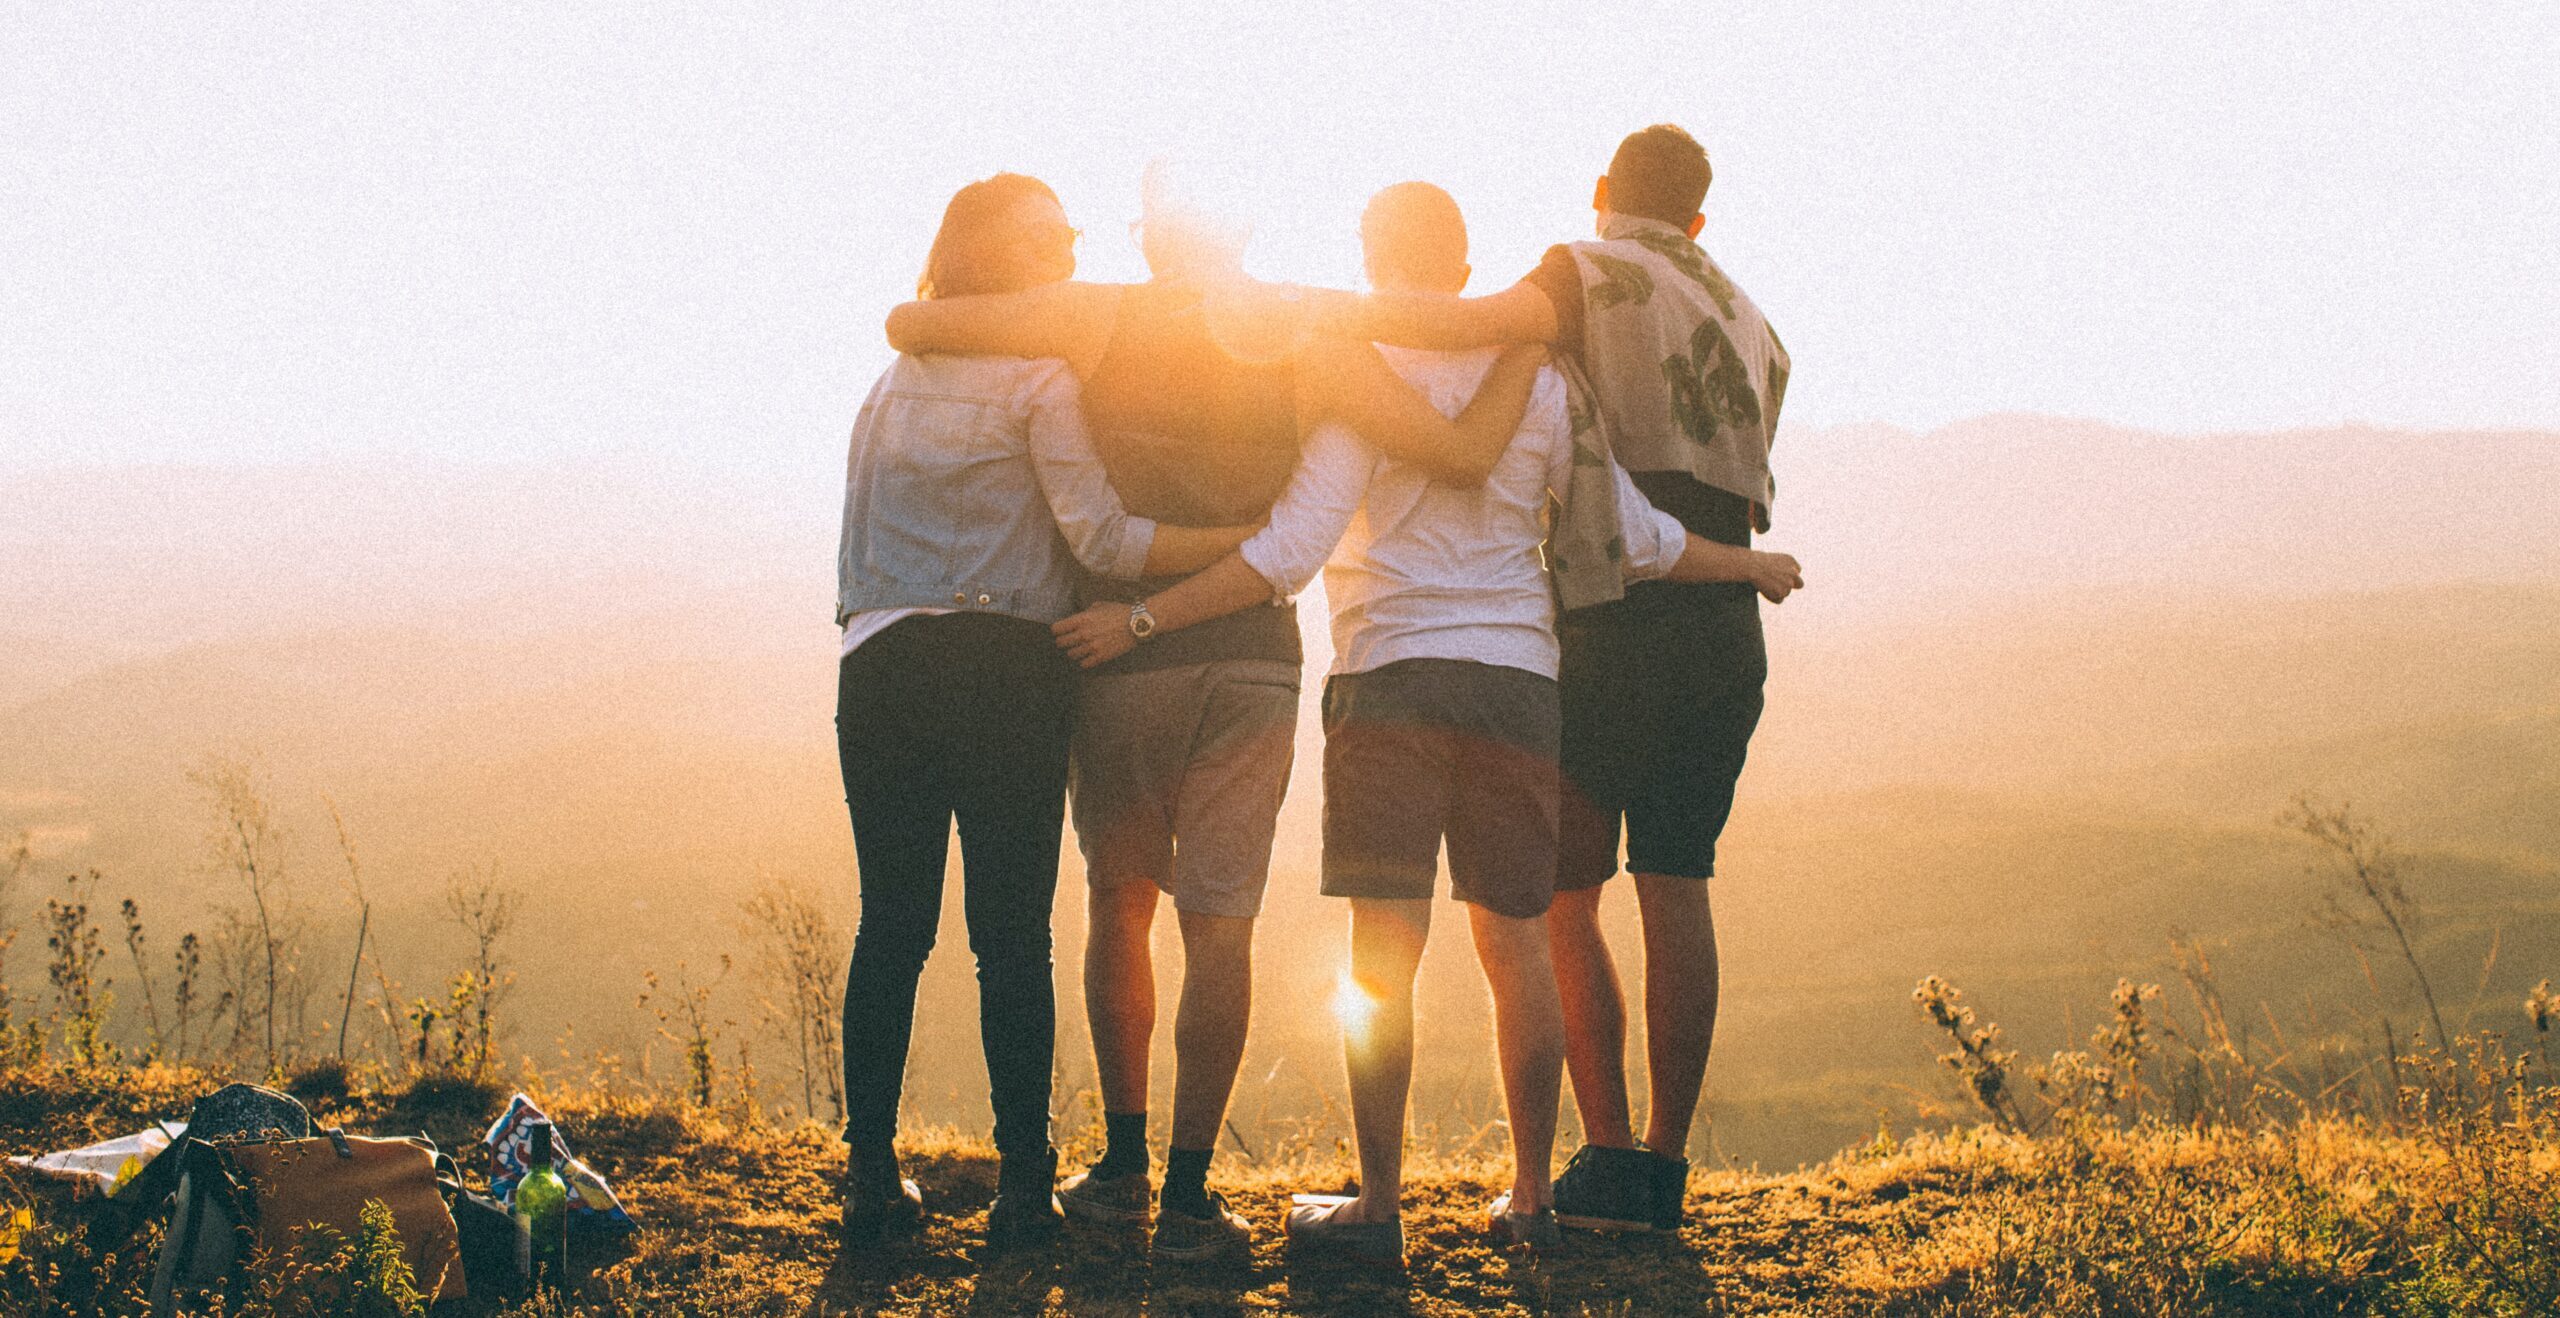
pixel 2453 1208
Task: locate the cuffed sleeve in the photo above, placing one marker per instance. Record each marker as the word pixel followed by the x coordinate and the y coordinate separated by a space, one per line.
pixel 1312 513
pixel 1653 538
pixel 1102 533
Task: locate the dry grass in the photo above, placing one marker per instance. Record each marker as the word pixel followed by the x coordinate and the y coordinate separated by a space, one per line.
pixel 2333 1217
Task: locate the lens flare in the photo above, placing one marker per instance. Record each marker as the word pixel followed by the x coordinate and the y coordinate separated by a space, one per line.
pixel 1353 1006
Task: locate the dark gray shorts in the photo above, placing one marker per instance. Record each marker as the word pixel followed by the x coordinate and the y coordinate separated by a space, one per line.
pixel 1662 691
pixel 1424 749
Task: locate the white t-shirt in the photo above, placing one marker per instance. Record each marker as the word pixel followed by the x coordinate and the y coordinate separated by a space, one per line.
pixel 863 626
pixel 1417 569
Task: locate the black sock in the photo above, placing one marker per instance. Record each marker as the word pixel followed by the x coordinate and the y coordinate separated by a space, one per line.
pixel 1186 1181
pixel 1124 1152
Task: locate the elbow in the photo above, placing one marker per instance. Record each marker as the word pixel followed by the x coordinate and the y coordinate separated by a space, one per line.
pixel 1108 556
pixel 901 328
pixel 1105 565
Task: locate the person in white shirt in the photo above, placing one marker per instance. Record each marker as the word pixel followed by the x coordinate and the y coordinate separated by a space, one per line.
pixel 1441 720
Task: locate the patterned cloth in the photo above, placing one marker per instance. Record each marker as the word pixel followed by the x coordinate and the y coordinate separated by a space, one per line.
pixel 592 1207
pixel 1679 372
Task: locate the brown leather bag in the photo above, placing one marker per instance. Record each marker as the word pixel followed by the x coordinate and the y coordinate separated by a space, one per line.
pixel 325 1182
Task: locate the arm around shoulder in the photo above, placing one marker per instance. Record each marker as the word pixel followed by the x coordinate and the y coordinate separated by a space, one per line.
pixel 1447 321
pixel 1071 321
pixel 1350 383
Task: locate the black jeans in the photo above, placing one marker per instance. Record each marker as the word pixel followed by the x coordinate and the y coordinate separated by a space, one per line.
pixel 962 715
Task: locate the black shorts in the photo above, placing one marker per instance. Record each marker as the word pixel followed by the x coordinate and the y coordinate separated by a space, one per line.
pixel 1424 749
pixel 1661 692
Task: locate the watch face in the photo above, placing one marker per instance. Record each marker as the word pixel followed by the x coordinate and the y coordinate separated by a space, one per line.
pixel 1142 624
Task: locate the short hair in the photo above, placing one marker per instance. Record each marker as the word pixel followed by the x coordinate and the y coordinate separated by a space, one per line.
pixel 972 231
pixel 1416 231
pixel 1660 173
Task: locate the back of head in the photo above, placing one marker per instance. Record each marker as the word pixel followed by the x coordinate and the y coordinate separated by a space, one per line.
pixel 1659 173
pixel 1182 233
pixel 1413 237
pixel 972 250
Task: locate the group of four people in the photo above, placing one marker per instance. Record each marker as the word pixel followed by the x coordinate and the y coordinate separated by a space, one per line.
pixel 1534 517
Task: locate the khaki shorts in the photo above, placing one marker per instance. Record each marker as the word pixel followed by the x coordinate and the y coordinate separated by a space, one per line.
pixel 1177 775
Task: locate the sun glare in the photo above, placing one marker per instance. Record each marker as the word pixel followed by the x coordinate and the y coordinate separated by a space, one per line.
pixel 1353 1006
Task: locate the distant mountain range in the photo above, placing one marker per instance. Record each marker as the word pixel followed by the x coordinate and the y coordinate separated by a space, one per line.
pixel 116 562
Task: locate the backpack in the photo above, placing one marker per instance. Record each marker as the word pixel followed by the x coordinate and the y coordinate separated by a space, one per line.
pixel 254 1170
pixel 235 1111
pixel 271 1195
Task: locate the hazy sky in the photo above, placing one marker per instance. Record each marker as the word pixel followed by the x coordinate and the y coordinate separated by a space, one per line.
pixel 255 232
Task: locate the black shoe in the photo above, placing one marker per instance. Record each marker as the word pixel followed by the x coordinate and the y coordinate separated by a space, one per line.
pixel 1670 1190
pixel 879 1204
pixel 1026 1212
pixel 1609 1189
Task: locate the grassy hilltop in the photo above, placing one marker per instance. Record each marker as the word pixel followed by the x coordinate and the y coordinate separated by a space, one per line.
pixel 2455 1214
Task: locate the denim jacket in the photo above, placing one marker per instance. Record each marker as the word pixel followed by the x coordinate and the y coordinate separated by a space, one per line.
pixel 971 480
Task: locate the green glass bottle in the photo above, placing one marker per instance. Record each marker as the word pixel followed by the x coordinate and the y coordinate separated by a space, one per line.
pixel 542 1206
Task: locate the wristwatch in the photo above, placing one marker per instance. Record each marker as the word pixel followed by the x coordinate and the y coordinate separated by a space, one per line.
pixel 1142 624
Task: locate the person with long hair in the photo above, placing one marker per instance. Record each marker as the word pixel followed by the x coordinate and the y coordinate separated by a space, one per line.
pixel 971 491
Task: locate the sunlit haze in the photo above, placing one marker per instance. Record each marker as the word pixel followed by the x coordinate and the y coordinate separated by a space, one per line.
pixel 247 232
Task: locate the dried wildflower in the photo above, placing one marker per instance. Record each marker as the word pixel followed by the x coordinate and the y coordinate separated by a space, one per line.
pixel 1978 1056
pixel 2077 1083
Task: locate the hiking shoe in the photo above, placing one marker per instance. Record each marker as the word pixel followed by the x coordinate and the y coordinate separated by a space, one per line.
pixel 1091 1196
pixel 1184 1238
pixel 1314 1228
pixel 1023 1219
pixel 1605 1189
pixel 1670 1190
pixel 879 1204
pixel 1534 1230
pixel 1026 1212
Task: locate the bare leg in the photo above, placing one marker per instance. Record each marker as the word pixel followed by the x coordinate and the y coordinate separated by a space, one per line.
pixel 1681 986
pixel 1595 1018
pixel 1120 989
pixel 1386 950
pixel 1209 1027
pixel 1528 1027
